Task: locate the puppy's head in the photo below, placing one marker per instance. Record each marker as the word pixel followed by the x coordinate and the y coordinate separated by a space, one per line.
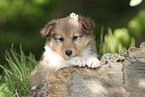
pixel 67 37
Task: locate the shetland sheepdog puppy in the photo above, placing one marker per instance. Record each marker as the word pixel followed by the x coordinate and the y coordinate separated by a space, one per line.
pixel 69 42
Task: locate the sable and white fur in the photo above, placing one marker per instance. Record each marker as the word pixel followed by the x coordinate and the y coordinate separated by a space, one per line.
pixel 69 43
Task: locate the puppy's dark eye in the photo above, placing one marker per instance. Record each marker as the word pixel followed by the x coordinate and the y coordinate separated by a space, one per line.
pixel 61 39
pixel 75 38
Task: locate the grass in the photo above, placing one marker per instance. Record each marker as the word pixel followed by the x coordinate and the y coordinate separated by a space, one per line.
pixel 15 83
pixel 115 41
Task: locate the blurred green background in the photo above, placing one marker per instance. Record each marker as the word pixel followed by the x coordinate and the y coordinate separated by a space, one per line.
pixel 116 22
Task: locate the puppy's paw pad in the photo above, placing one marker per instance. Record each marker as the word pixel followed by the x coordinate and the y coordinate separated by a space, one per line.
pixel 93 62
pixel 77 61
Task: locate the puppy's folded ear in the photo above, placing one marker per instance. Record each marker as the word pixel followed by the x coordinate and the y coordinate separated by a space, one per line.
pixel 46 31
pixel 87 24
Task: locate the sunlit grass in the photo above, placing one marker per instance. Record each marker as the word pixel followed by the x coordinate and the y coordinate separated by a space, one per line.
pixel 115 41
pixel 16 75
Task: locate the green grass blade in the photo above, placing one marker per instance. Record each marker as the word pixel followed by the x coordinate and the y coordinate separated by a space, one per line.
pixel 14 55
pixel 18 71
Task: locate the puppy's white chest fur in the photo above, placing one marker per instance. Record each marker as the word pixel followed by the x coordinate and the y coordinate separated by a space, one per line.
pixel 52 57
pixel 56 61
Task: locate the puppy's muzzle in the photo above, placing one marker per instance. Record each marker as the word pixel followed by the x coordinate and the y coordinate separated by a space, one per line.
pixel 68 52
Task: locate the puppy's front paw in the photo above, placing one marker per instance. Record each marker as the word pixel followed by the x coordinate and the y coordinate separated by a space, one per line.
pixel 78 61
pixel 93 62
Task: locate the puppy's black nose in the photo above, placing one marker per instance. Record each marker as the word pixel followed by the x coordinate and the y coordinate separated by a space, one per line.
pixel 68 52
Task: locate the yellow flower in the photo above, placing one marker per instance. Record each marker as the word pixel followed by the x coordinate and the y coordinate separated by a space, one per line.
pixel 74 16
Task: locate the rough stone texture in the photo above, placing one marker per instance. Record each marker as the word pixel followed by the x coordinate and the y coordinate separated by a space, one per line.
pixel 121 75
pixel 134 71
